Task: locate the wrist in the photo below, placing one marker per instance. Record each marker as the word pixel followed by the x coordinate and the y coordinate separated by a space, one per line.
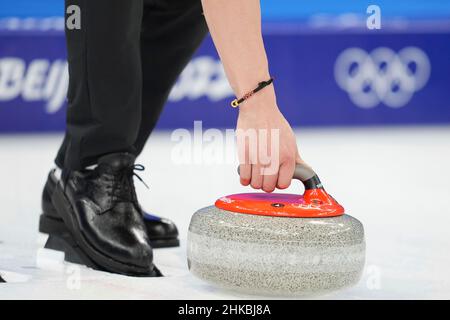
pixel 247 82
pixel 262 101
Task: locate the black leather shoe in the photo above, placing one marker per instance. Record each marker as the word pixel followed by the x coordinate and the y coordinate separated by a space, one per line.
pixel 162 232
pixel 104 224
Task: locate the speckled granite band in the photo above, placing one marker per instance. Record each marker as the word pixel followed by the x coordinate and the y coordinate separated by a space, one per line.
pixel 273 255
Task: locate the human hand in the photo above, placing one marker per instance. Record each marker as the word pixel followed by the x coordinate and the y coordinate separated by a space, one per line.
pixel 267 146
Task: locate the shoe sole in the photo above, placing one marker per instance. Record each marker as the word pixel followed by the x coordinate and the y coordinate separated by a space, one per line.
pixel 54 226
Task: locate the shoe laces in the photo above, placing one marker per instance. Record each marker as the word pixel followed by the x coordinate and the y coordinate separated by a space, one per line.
pixel 123 189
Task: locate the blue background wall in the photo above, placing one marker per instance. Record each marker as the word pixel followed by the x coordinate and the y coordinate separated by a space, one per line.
pixel 303 57
pixel 272 9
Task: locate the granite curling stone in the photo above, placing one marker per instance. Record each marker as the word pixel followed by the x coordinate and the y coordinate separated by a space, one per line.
pixel 277 244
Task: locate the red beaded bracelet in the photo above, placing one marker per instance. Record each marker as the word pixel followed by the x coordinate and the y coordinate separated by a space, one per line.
pixel 236 102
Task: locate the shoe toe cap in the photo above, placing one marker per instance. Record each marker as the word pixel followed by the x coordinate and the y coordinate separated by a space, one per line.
pixel 160 227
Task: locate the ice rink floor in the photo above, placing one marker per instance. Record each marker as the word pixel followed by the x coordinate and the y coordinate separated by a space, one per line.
pixel 395 180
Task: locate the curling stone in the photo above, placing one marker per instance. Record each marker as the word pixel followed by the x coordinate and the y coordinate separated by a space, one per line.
pixel 277 244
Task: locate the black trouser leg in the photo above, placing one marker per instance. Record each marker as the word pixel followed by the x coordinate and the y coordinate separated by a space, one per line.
pixel 105 85
pixel 126 105
pixel 171 32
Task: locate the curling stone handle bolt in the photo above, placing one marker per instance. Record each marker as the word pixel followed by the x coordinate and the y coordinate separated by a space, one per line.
pixel 306 175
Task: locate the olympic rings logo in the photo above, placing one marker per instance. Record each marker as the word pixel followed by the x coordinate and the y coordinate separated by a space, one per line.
pixel 382 76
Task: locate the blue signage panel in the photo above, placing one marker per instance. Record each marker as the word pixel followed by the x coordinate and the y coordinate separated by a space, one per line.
pixel 321 78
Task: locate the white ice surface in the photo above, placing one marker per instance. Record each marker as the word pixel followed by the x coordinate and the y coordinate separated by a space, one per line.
pixel 395 180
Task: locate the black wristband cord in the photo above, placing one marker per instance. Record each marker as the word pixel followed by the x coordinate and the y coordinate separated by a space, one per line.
pixel 236 102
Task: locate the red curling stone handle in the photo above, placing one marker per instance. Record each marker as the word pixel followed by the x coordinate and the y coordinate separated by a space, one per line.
pixel 314 203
